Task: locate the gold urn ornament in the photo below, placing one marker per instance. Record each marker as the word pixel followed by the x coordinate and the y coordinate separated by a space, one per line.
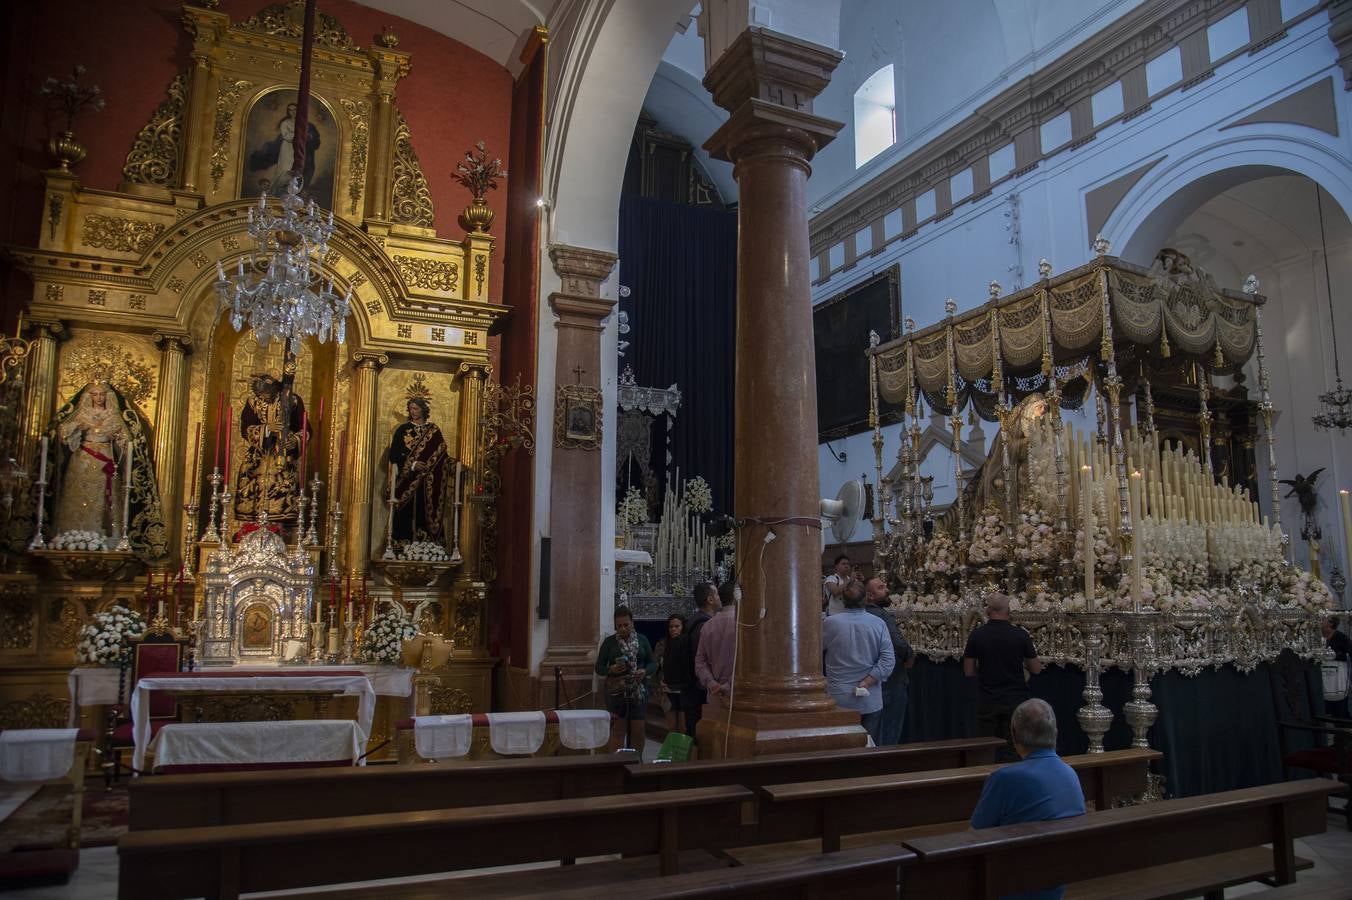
pixel 480 175
pixel 69 99
pixel 66 151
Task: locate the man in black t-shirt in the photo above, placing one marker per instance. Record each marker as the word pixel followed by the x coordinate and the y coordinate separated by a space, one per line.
pixel 997 654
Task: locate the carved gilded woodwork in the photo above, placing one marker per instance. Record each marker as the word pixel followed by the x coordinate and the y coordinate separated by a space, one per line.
pixel 112 233
pixel 18 623
pixel 41 710
pixel 429 274
pixel 154 156
pixel 223 133
pixel 358 111
pixel 288 19
pixel 412 197
pixel 449 701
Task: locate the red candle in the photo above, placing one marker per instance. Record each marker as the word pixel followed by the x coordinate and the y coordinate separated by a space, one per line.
pixel 229 424
pixel 220 411
pixel 196 454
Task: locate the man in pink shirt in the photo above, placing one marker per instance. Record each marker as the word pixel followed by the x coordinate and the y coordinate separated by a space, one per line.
pixel 717 646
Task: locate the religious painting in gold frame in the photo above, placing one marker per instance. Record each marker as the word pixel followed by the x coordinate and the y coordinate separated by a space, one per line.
pixel 267 158
pixel 577 417
pixel 256 628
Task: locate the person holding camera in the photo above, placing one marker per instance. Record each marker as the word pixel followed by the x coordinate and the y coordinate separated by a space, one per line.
pixel 626 660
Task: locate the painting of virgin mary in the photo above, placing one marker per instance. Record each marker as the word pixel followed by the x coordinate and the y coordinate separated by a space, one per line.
pixel 268 149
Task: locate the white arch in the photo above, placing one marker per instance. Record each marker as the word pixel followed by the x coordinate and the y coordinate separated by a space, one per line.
pixel 1155 206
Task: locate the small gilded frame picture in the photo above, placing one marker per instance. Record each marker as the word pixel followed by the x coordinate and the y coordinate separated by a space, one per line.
pixel 580 420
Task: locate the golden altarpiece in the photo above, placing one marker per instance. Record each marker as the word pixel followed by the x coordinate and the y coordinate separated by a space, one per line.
pixel 123 294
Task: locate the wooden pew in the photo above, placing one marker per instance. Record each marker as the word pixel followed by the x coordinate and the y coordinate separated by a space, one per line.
pixel 817 765
pixel 182 801
pixel 225 860
pixel 1221 831
pixel 831 809
pixel 238 798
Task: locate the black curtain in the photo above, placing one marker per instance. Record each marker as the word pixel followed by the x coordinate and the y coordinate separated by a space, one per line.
pixel 680 264
pixel 1217 729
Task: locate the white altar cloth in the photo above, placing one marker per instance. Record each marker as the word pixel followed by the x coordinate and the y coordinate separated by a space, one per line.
pixel 510 733
pixel 36 754
pixel 256 743
pixel 358 684
pixel 97 685
pixel 443 737
pixel 583 729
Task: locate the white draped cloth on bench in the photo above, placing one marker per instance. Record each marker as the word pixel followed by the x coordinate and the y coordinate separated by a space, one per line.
pixel 254 684
pixel 36 754
pixel 443 737
pixel 583 729
pixel 514 733
pixel 257 743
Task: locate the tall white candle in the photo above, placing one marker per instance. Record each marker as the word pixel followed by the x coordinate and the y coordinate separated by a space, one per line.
pixel 1137 545
pixel 394 474
pixel 1347 526
pixel 42 460
pixel 1087 491
pixel 126 487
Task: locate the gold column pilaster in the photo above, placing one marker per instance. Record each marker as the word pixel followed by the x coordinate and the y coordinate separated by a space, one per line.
pixel 206 27
pixel 471 410
pixel 41 383
pixel 361 437
pixel 390 65
pixel 172 440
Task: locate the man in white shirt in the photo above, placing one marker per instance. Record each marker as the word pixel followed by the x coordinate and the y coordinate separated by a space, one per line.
pixel 833 587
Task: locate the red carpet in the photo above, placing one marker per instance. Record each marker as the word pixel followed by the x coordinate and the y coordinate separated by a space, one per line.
pixel 41 822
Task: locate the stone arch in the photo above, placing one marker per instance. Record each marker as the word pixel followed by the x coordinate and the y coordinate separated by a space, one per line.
pixel 1155 206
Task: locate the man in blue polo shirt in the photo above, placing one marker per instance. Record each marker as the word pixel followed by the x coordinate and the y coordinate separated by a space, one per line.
pixel 1038 789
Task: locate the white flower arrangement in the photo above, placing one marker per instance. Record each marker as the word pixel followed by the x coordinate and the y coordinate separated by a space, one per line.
pixel 941 555
pixel 423 551
pixel 1105 551
pixel 633 508
pixel 988 540
pixel 383 640
pixel 1034 537
pixel 85 541
pixel 1307 592
pixel 698 497
pixel 103 640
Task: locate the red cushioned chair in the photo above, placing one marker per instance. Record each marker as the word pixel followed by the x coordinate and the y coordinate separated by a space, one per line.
pixel 158 653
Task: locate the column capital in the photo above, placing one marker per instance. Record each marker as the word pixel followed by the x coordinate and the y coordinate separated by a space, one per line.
pixel 582 270
pixel 46 328
pixel 365 359
pixel 475 370
pixel 766 65
pixel 169 341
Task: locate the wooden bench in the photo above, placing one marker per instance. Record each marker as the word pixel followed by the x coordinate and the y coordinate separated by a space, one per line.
pixel 816 765
pixel 830 809
pixel 237 798
pixel 1094 848
pixel 225 860
pixel 175 801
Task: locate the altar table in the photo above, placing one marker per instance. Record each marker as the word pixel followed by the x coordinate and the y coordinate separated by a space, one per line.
pixel 218 746
pixel 249 681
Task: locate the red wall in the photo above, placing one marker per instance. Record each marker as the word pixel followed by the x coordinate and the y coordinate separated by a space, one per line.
pixel 452 97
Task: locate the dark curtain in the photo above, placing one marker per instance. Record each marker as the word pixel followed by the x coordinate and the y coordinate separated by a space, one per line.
pixel 680 264
pixel 1217 729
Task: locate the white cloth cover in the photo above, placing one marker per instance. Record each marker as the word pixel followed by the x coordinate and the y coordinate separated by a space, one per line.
pixel 583 729
pixel 243 743
pixel 97 685
pixel 357 683
pixel 1335 680
pixel 443 737
pixel 515 733
pixel 36 754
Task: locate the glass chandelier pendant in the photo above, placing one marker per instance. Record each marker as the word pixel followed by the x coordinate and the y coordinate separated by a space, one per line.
pixel 1336 409
pixel 278 291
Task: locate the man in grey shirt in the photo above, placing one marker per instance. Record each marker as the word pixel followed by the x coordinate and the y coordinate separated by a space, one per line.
pixel 857 657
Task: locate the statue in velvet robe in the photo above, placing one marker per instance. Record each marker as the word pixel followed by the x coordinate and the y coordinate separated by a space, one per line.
pixel 421 477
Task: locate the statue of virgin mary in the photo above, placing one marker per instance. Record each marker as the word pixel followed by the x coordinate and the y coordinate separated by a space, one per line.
pixel 91 438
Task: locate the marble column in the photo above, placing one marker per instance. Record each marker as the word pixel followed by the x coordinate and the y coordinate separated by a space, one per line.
pixel 767 81
pixel 173 443
pixel 575 473
pixel 41 384
pixel 361 456
pixel 471 402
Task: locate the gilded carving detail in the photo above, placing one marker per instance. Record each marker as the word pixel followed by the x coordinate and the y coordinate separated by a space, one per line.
pixel 357 111
pixel 98 297
pixel 406 331
pixel 154 156
pixel 136 301
pixel 41 710
pixel 176 284
pixel 16 624
pixel 229 243
pixel 429 274
pixel 480 269
pixel 55 293
pixel 449 701
pixel 466 633
pixel 122 235
pixel 472 338
pixel 412 198
pixel 438 334
pixel 222 135
pixel 65 625
pixel 104 359
pixel 287 20
pixel 373 307
pixel 54 205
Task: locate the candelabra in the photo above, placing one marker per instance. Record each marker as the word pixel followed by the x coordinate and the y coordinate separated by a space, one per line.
pixel 12 479
pixel 335 529
pixel 38 543
pixel 312 535
pixel 211 535
pixel 124 541
pixel 317 641
pixel 189 536
pixel 302 501
pixel 1139 711
pixel 225 516
pixel 1095 718
pixel 389 526
pixel 456 558
pixel 349 640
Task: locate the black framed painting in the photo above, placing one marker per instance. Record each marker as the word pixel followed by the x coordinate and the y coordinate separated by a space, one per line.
pixel 840 328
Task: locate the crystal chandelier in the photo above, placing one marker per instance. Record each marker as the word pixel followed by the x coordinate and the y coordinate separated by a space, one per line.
pixel 279 292
pixel 1336 404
